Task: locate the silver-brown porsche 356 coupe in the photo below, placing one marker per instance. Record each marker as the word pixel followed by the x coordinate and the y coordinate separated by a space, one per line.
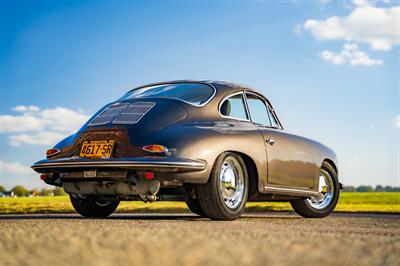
pixel 215 145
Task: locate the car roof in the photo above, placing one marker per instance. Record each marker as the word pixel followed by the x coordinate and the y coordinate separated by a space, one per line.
pixel 222 87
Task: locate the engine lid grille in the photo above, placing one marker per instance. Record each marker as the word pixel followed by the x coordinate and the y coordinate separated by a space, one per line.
pixel 133 113
pixel 123 113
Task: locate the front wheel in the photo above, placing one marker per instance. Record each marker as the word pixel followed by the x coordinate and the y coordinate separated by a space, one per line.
pixel 224 196
pixel 322 205
pixel 93 207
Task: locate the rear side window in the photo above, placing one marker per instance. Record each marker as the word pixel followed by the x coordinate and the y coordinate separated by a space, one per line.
pixel 234 107
pixel 258 110
pixel 193 93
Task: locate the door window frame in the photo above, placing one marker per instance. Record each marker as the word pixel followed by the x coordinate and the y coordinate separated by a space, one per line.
pixel 270 111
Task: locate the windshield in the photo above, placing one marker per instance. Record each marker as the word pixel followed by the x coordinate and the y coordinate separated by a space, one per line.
pixel 193 93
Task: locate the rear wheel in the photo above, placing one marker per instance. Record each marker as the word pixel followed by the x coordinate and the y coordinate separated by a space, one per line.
pixel 323 204
pixel 194 206
pixel 90 207
pixel 224 196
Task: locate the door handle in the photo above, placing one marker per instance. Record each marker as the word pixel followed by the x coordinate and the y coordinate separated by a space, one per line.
pixel 270 141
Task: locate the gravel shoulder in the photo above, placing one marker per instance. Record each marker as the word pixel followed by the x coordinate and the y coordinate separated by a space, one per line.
pixel 185 239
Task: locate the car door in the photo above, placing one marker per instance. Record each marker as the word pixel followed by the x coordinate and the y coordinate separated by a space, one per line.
pixel 290 160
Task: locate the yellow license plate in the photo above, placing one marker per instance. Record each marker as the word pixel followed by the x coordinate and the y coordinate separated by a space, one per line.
pixel 97 148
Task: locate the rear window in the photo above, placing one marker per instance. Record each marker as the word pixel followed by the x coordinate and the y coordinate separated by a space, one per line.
pixel 193 93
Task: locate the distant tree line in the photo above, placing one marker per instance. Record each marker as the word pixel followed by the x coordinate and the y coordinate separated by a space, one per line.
pixel 378 188
pixel 21 191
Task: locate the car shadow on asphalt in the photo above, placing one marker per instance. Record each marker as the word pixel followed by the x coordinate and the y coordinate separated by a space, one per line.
pixel 268 216
pixel 141 216
pixel 188 217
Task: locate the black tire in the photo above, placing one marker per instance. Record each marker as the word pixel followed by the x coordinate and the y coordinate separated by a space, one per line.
pixel 93 208
pixel 305 209
pixel 194 206
pixel 210 194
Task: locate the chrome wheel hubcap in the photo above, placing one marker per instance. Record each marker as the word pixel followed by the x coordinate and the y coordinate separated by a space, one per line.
pixel 231 183
pixel 326 191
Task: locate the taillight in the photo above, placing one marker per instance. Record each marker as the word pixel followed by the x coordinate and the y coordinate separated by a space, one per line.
pixel 149 175
pixel 52 152
pixel 155 148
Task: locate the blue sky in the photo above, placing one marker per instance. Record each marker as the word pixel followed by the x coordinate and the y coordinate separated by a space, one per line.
pixel 337 82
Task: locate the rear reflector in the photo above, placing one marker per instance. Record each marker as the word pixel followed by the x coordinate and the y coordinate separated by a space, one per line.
pixel 155 148
pixel 52 152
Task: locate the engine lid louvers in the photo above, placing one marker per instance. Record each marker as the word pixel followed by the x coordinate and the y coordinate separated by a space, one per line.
pixel 123 113
pixel 108 115
pixel 133 113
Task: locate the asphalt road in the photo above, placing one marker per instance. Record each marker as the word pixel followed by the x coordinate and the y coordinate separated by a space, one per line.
pixel 184 239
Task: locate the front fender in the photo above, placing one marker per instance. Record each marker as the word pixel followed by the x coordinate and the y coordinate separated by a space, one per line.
pixel 322 153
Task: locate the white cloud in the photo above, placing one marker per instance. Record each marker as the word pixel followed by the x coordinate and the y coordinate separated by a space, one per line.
pixel 10 123
pixel 24 108
pixel 63 119
pixel 14 168
pixel 41 138
pixel 377 26
pixel 397 121
pixel 350 54
pixel 363 3
pixel 40 127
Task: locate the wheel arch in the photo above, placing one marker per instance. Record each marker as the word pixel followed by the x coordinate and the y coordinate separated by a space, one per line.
pixel 252 171
pixel 335 167
pixel 332 163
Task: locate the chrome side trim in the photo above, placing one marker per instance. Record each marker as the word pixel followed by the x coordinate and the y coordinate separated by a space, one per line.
pixel 290 191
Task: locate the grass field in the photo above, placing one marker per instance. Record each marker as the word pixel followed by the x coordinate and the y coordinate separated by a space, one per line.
pixel 379 202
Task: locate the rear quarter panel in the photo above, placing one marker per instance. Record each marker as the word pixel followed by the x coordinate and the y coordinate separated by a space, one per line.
pixel 207 140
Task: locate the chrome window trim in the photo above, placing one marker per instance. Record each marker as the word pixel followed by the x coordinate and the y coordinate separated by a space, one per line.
pixel 270 110
pixel 266 106
pixel 244 104
pixel 171 83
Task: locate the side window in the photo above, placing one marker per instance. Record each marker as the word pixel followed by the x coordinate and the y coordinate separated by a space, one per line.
pixel 258 110
pixel 274 122
pixel 234 107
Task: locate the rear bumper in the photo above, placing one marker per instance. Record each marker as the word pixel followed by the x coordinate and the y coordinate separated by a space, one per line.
pixel 156 164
